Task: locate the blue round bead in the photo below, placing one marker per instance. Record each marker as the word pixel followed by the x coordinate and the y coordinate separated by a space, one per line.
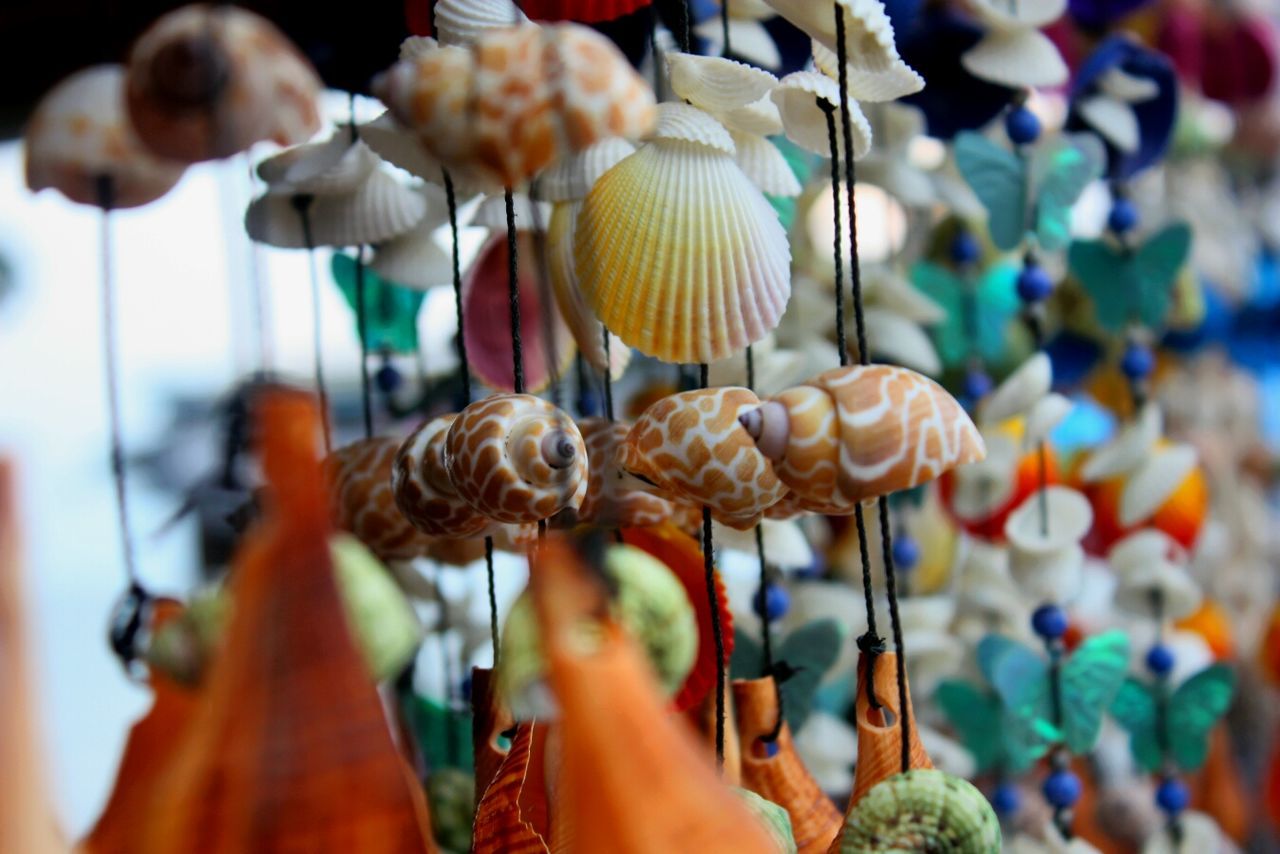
pixel 1061 789
pixel 977 384
pixel 1049 621
pixel 1123 217
pixel 1022 126
pixel 1160 660
pixel 772 602
pixel 1172 796
pixel 1138 361
pixel 1034 283
pixel 388 378
pixel 1006 799
pixel 906 552
pixel 965 248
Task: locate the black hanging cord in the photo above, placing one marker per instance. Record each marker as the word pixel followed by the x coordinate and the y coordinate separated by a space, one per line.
pixel 302 204
pixel 513 295
pixel 837 249
pixel 493 598
pixel 362 326
pixel 546 299
pixel 686 35
pixel 724 27
pixel 895 626
pixel 608 373
pixel 713 602
pixel 461 341
pixel 855 269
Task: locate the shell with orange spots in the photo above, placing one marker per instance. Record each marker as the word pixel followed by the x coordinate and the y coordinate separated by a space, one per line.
pixel 423 491
pixel 359 478
pixel 516 458
pixel 614 498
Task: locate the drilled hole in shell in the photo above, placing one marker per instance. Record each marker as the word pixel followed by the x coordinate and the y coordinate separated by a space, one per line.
pixel 881 718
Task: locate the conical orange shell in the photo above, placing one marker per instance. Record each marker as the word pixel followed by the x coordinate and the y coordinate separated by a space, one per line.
pixel 513 816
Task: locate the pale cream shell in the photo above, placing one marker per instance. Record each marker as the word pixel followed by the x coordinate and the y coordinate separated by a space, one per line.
pixel 804 122
pixel 79 132
pixel 684 123
pixel 680 255
pixel 765 165
pixel 587 329
pixel 492 213
pixel 401 148
pixel 1016 58
pixel 927 613
pixel 1130 447
pixel 1054 576
pixel 573 176
pixel 785 545
pixel 1020 391
pixel 759 117
pixel 382 208
pixel 896 81
pixel 775 368
pixel 1178 594
pixel 1113 119
pixel 1069 513
pixel 416 46
pixel 1154 481
pixel 715 84
pixel 983 487
pixel 336 165
pixel 893 338
pixel 750 40
pixel 1149 545
pixel 1046 414
pixel 462 22
pixel 986 585
pixel 415 259
pixel 888 290
pixel 868 30
pixel 1200 835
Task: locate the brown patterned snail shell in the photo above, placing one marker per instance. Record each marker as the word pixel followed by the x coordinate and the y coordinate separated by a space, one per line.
pixel 516 458
pixel 359 478
pixel 422 488
pixel 614 498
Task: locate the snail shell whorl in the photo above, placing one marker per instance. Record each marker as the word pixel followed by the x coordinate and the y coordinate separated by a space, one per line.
pixel 923 810
pixel 810 462
pixel 693 445
pixel 613 497
pixel 516 458
pixel 359 478
pixel 422 488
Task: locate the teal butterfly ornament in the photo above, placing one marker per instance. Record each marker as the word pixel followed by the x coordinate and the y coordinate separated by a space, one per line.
pixel 998 740
pixel 1030 195
pixel 1087 681
pixel 978 309
pixel 1131 285
pixel 800 662
pixel 1179 731
pixel 391 311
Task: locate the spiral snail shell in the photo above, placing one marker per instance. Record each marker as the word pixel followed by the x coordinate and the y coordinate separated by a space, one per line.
pixel 422 488
pixel 359 478
pixel 516 458
pixel 922 810
pixel 614 498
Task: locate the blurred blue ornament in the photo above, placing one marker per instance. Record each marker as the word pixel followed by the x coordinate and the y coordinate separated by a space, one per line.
pixel 1138 361
pixel 1073 357
pixel 906 552
pixel 1034 283
pixel 1087 425
pixel 1214 327
pixel 1095 15
pixel 1123 217
pixel 1160 660
pixel 1172 797
pixel 1049 622
pixel 1062 789
pixel 1021 126
pixel 1006 800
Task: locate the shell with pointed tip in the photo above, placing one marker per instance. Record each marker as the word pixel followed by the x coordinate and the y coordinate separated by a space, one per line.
pixel 692 445
pixel 1020 391
pixel 895 81
pixel 573 176
pixel 764 164
pixel 462 23
pixel 587 329
pixel 781 777
pixel 923 810
pixel 805 123
pixel 880 743
pixel 615 499
pixel 208 81
pixel 680 255
pixel 379 209
pixel 516 458
pixel 359 478
pixel 78 135
pixel 1016 58
pixel 716 84
pixel 422 488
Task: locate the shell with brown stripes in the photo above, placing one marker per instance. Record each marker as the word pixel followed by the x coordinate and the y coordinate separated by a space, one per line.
pixel 359 478
pixel 424 492
pixel 516 458
pixel 615 498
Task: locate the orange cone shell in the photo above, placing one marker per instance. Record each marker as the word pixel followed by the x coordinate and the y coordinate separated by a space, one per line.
pixel 514 816
pixel 490 718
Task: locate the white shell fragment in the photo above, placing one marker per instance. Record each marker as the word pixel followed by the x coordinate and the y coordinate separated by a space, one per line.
pixel 380 209
pixel 1153 483
pixel 1128 449
pixel 462 22
pixel 683 123
pixel 573 176
pixel 805 122
pixel 1046 414
pixel 896 81
pixel 1016 58
pixel 765 165
pixel 716 84
pixel 492 213
pixel 1020 390
pixel 1044 534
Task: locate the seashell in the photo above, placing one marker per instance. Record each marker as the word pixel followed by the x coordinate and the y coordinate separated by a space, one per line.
pixel 516 458
pixel 1113 119
pixel 896 81
pixel 486 320
pixel 891 291
pixel 587 330
pixel 1021 390
pixel 692 445
pixel 208 81
pixel 702 269
pixel 750 39
pixel 1045 557
pixel 512 811
pixel 573 176
pixel 683 123
pixel 779 775
pixel 759 117
pixel 1129 449
pixel 923 810
pixel 380 209
pixel 383 623
pixel 1199 834
pixel 423 491
pixel 785 543
pixel 79 135
pixel 1045 415
pixel 415 259
pixel 402 148
pixel 868 30
pixel 492 213
pixel 608 689
pixel 805 122
pixel 762 162
pixel 359 480
pixel 492 718
pixel 416 46
pixel 893 338
pixel 1144 547
pixel 1016 58
pixel 880 744
pixel 921 613
pixel 462 23
pixel 1143 586
pixel 615 499
pixel 337 165
pixel 775 368
pixel 716 84
pixel 828 745
pixel 1023 15
pixel 1154 482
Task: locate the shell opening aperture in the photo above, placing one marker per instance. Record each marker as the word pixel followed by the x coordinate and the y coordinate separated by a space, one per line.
pixel 770 426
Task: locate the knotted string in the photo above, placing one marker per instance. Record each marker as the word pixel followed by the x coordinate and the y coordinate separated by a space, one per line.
pixel 302 204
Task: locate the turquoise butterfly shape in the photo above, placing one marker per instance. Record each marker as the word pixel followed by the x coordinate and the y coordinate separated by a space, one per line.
pixel 1131 284
pixel 978 310
pixel 1189 714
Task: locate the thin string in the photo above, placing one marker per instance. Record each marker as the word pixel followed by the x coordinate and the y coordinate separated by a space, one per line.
pixel 513 295
pixel 855 269
pixel 302 204
pixel 362 326
pixel 608 373
pixel 836 248
pixel 724 27
pixel 258 292
pixel 493 598
pixel 686 37
pixel 713 602
pixel 895 626
pixel 461 341
pixel 546 299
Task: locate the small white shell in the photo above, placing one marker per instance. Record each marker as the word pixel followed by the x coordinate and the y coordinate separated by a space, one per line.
pixel 416 46
pixel 765 165
pixel 1150 545
pixel 805 123
pixel 1127 87
pixel 1112 118
pixel 415 260
pixel 921 613
pixel 1053 576
pixel 382 208
pixel 336 165
pixel 715 84
pixel 750 40
pixel 986 587
pixel 759 117
pixel 893 338
pixel 684 123
pixel 983 487
pixel 1021 390
pixel 1046 414
pixel 1016 58
pixel 1179 596
pixel 492 213
pixel 1022 15
pixel 868 30
pixel 401 147
pixel 1153 483
pixel 775 369
pixel 785 545
pixel 1069 516
pixel 889 290
pixel 572 177
pixel 1130 447
pixel 1200 835
pixel 896 81
pixel 932 656
pixel 462 22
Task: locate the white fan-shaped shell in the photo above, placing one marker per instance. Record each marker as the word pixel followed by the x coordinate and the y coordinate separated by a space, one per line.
pixel 715 84
pixel 759 117
pixel 750 40
pixel 888 290
pixel 462 22
pixel 681 255
pixel 1153 483
pixel 1046 414
pixel 683 123
pixel 1016 58
pixel 1113 119
pixel 893 338
pixel 492 213
pixel 1179 596
pixel 920 613
pixel 785 545
pixel 573 176
pixel 1150 545
pixel 336 165
pixel 416 46
pixel 931 657
pixel 380 209
pixel 896 81
pixel 805 123
pixel 986 584
pixel 1020 390
pixel 1020 15
pixel 765 165
pixel 1130 447
pixel 402 148
pixel 983 487
pixel 1069 517
pixel 415 259
pixel 868 30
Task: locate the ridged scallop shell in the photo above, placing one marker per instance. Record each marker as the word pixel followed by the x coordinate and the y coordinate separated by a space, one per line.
pixel 423 491
pixel 512 813
pixel 896 81
pixel 415 259
pixel 1016 58
pixel 587 329
pixel 573 176
pixel 715 84
pixel 1129 449
pixel 461 23
pixel 922 810
pixel 692 445
pixel 1045 415
pixel 684 123
pixel 492 213
pixel 359 478
pixel 403 148
pixel 416 46
pixel 680 255
pixel 893 338
pixel 1023 15
pixel 867 27
pixel 208 81
pixel 337 165
pixel 804 122
pixel 780 777
pixel 880 744
pixel 486 321
pixel 497 461
pixel 615 499
pixel 380 209
pixel 750 39
pixel 762 162
pixel 79 134
pixel 1021 390
pixel 759 117
pixel 1154 481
